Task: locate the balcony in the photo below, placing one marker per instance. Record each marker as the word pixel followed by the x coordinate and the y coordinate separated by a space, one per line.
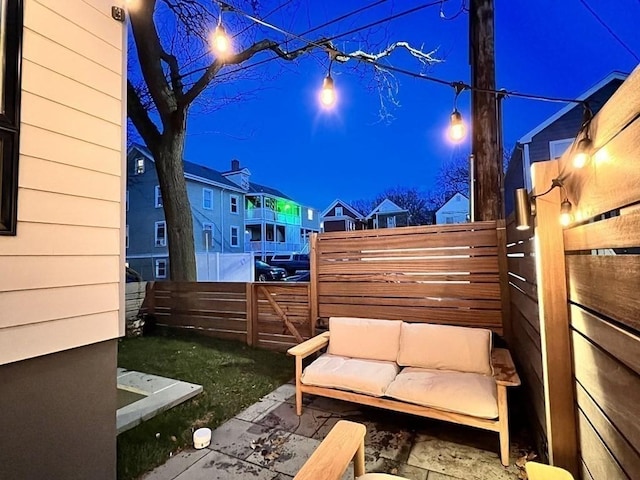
pixel 268 214
pixel 264 246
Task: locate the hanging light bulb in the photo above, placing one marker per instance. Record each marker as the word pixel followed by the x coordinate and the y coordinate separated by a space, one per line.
pixel 328 92
pixel 221 41
pixel 457 129
pixel 565 213
pixel 581 157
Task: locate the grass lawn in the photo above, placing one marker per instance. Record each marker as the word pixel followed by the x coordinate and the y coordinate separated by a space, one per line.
pixel 232 374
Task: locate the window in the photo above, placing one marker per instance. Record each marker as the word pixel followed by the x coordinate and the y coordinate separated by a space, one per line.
pixel 448 219
pixel 161 234
pixel 158 200
pixel 161 268
pixel 309 214
pixel 207 199
pixel 235 236
pixel 558 147
pixel 126 237
pixel 391 222
pixel 139 166
pixel 10 40
pixel 207 235
pixel 234 203
pixel 338 211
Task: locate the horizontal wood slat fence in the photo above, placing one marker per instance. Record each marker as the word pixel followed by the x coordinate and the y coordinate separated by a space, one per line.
pixel 439 274
pixel 269 315
pixel 602 256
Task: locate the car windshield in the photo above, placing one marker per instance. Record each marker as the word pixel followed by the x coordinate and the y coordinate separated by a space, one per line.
pixel 262 264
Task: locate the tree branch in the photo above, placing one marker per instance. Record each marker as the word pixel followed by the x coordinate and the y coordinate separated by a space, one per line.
pixel 140 117
pixel 241 57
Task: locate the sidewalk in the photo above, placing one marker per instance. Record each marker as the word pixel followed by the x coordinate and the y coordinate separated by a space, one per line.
pixel 268 441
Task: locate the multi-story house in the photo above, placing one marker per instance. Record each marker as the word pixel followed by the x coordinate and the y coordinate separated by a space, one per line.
pixel 339 216
pixel 216 206
pixel 387 215
pixel 230 213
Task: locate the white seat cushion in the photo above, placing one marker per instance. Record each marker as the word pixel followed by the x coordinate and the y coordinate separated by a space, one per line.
pixel 445 347
pixel 468 393
pixel 364 338
pixel 363 376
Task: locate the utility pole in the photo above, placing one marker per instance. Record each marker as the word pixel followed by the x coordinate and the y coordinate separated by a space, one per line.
pixel 488 201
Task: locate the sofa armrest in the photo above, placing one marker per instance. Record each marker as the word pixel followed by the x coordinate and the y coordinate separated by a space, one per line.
pixel 503 368
pixel 344 443
pixel 312 345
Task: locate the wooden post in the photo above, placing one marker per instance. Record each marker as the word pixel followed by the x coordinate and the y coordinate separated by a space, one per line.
pixel 501 232
pixel 484 145
pixel 249 311
pixel 554 322
pixel 313 280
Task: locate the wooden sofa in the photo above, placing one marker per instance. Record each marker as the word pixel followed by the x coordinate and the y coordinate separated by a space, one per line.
pixel 427 358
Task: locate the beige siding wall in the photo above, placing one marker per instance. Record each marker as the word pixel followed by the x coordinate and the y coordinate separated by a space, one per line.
pixel 60 284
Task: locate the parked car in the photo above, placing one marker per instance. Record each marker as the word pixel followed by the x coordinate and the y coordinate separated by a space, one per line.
pixel 292 262
pixel 268 273
pixel 301 277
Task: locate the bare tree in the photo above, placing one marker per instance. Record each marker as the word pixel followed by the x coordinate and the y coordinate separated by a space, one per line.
pixel 420 205
pixel 174 66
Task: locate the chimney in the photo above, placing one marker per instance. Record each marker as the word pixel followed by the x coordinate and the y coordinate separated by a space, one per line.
pixel 235 165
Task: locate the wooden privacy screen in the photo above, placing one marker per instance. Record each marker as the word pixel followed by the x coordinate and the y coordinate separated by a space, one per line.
pixel 441 274
pixel 603 275
pixel 525 324
pixel 268 315
pixel 216 309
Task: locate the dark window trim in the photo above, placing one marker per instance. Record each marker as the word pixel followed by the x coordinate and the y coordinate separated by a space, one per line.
pixel 10 119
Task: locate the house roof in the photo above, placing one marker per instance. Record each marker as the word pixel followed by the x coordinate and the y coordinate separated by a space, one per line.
pixel 451 198
pixel 257 188
pixel 386 206
pixel 336 202
pixel 528 137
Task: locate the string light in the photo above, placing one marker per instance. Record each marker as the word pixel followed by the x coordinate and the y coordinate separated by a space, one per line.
pixel 565 212
pixel 221 42
pixel 328 92
pixel 581 156
pixel 457 128
pixel 525 206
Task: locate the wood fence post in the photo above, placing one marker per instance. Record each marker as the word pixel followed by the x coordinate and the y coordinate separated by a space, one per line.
pixel 501 231
pixel 554 322
pixel 313 283
pixel 249 312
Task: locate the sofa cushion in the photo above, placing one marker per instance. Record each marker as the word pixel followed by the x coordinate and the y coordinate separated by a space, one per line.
pixel 468 393
pixel 364 338
pixel 363 376
pixel 445 347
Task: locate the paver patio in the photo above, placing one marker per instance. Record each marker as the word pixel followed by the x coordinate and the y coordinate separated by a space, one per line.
pixel 268 441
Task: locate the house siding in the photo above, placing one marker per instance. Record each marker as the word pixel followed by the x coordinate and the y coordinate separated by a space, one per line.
pixel 62 294
pixel 456 209
pixel 69 234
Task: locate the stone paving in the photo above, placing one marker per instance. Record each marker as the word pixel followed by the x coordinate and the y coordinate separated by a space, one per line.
pixel 268 441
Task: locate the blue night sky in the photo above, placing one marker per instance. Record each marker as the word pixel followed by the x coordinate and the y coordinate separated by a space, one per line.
pixel 281 134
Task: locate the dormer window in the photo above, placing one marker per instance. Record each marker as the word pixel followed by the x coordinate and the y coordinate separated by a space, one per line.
pixel 339 211
pixel 139 166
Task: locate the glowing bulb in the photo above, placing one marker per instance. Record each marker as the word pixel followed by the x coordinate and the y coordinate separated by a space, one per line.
pixel 581 157
pixel 221 42
pixel 565 213
pixel 457 129
pixel 328 93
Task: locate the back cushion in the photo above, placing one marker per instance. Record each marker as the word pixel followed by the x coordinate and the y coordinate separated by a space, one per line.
pixel 364 338
pixel 445 347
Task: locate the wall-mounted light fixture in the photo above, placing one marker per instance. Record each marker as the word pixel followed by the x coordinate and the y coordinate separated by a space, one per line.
pixel 525 206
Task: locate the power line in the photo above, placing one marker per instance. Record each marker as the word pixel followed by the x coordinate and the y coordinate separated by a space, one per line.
pixel 608 29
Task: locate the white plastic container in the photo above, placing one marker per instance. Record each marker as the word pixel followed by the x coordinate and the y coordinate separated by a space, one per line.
pixel 202 438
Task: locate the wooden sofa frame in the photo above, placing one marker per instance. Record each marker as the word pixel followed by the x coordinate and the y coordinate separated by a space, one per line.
pixel 504 373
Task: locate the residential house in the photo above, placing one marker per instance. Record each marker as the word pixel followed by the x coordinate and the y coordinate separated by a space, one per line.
pixel 339 216
pixel 230 214
pixel 387 215
pixel 454 210
pixel 549 140
pixel 275 223
pixel 61 237
pixel 216 208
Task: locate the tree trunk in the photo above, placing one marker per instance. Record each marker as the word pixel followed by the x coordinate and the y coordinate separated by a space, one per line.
pixel 177 208
pixel 488 204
